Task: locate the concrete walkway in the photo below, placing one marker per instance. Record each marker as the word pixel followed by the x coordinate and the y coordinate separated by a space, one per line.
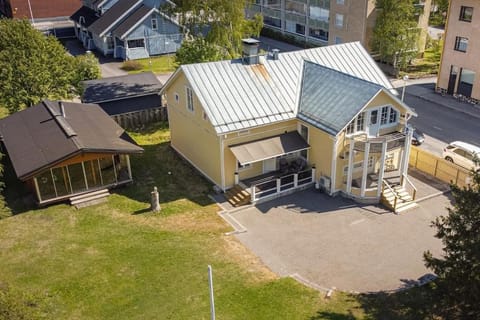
pixel 333 242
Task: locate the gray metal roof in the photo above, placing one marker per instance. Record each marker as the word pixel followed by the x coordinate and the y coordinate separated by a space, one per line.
pixel 330 99
pixel 237 96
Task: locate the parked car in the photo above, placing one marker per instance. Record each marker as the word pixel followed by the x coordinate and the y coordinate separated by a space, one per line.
pixel 462 153
pixel 417 138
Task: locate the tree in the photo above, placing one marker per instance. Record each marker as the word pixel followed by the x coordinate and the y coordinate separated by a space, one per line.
pixel 87 68
pixel 198 50
pixel 396 32
pixel 458 271
pixel 34 67
pixel 221 22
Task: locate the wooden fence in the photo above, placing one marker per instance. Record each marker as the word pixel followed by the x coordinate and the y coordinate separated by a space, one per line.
pixel 138 119
pixel 441 169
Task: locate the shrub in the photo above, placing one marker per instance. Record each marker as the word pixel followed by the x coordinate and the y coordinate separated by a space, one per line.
pixel 132 65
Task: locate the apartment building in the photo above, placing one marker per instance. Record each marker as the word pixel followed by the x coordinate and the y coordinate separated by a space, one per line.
pixel 459 66
pixel 326 22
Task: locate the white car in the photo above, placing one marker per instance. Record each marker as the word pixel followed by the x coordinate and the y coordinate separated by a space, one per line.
pixel 463 154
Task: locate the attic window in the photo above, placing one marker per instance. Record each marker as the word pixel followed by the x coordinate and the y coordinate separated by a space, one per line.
pixel 154 24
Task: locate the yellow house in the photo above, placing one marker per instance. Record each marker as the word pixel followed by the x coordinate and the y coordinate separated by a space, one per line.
pixel 263 126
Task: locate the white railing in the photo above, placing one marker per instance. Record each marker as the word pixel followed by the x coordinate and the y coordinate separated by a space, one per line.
pixel 281 184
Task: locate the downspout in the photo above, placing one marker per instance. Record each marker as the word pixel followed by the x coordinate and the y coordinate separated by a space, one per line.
pixel 222 163
pixel 333 174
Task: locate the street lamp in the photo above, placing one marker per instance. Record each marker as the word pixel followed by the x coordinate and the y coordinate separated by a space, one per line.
pixel 405 78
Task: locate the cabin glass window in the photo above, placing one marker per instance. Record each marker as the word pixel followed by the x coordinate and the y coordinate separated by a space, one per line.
pixel 45 184
pixel 361 122
pixel 77 177
pixel 61 180
pixel 107 170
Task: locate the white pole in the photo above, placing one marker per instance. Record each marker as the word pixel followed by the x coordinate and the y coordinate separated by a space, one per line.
pixel 31 12
pixel 210 285
pixel 405 78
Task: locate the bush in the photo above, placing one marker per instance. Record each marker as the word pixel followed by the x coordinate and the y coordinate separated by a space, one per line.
pixel 296 41
pixel 132 65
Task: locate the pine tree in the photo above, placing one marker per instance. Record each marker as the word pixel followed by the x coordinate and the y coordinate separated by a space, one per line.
pixel 458 271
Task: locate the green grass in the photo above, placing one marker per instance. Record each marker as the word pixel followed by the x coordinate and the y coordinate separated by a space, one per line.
pixel 159 64
pixel 426 66
pixel 118 260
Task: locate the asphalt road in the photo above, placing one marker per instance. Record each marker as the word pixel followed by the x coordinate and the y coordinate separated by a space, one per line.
pixel 442 125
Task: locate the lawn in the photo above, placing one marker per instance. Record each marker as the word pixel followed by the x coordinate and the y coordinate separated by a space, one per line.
pixel 118 260
pixel 158 64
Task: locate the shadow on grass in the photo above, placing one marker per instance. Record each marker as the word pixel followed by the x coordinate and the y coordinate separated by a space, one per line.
pixel 415 304
pixel 158 166
pixel 326 315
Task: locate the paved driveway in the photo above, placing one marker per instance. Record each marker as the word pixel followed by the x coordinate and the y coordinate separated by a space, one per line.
pixel 333 242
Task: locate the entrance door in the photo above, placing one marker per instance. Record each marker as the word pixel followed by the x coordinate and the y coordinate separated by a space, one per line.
pixel 373 123
pixel 269 165
pixel 452 80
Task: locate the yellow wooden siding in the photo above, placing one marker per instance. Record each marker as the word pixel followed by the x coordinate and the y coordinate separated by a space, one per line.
pixel 192 135
pixel 320 153
pixel 251 135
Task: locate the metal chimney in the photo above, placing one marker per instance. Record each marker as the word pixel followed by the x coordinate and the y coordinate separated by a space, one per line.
pixel 275 53
pixel 250 51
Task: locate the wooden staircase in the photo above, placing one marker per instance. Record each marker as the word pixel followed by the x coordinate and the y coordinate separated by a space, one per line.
pixel 397 198
pixel 90 198
pixel 238 196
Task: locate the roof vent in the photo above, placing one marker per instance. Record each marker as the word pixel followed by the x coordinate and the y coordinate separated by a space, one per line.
pixel 275 53
pixel 250 51
pixel 62 109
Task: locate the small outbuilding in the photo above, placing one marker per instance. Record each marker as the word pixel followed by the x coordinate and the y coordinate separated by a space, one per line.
pixel 64 149
pixel 131 100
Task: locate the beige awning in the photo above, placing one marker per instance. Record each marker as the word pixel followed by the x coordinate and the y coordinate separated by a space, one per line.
pixel 269 148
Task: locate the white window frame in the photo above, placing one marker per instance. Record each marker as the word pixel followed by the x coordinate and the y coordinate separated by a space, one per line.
pixel 189 100
pixel 154 22
pixel 339 20
pixel 387 120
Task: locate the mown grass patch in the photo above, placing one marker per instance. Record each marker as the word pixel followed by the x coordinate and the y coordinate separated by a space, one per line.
pixel 118 260
pixel 158 64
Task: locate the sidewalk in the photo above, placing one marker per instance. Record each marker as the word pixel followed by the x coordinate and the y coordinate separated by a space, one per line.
pixel 425 89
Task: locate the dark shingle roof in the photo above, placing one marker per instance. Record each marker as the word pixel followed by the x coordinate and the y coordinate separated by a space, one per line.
pixel 112 16
pixel 134 18
pixel 116 88
pixel 330 99
pixel 40 137
pixel 88 14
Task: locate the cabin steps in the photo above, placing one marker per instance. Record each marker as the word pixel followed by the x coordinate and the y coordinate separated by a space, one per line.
pixel 238 196
pixel 89 198
pixel 404 199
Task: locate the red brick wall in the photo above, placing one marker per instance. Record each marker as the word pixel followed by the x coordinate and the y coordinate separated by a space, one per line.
pixel 44 8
